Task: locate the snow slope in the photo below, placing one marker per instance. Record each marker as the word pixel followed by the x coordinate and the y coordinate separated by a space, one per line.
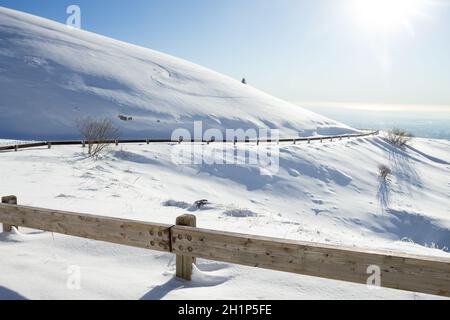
pixel 51 75
pixel 325 193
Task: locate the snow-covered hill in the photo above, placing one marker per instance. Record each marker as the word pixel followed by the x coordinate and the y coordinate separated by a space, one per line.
pixel 51 75
pixel 325 193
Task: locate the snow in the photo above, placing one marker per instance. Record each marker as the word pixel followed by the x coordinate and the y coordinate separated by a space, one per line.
pixel 334 198
pixel 68 74
pixel 326 193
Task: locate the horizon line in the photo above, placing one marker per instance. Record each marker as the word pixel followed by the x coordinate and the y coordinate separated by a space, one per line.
pixel 374 106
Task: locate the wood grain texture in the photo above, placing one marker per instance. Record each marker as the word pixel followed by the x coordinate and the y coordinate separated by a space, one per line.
pixel 398 271
pixel 9 200
pixel 119 231
pixel 185 262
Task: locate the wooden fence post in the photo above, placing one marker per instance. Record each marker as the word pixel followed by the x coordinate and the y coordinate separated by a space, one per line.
pixel 9 200
pixel 49 145
pixel 184 263
pixel 16 148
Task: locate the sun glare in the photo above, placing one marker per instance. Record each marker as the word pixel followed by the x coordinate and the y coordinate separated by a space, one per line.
pixel 388 15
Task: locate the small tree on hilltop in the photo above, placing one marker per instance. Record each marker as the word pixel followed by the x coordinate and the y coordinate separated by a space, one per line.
pixel 98 134
pixel 244 81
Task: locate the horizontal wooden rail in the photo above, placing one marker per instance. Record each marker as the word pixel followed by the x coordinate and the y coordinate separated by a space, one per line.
pixel 119 231
pixel 153 141
pixel 398 271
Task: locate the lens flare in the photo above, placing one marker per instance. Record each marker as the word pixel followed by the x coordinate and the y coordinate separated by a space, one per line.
pixel 388 15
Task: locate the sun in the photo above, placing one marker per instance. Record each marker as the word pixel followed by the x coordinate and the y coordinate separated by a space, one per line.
pixel 388 15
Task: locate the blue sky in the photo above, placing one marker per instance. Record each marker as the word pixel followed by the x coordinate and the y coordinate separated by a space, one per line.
pixel 299 50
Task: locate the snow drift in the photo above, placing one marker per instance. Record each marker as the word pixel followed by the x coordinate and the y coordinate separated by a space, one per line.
pixel 51 75
pixel 327 193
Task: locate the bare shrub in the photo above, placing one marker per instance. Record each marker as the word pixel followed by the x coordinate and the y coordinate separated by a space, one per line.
pixel 384 172
pixel 98 134
pixel 399 138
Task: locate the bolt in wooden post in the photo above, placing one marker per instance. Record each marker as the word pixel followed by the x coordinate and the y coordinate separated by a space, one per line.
pixel 9 200
pixel 184 263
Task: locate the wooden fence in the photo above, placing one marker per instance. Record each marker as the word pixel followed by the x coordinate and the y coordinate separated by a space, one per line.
pixel 49 144
pixel 399 271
